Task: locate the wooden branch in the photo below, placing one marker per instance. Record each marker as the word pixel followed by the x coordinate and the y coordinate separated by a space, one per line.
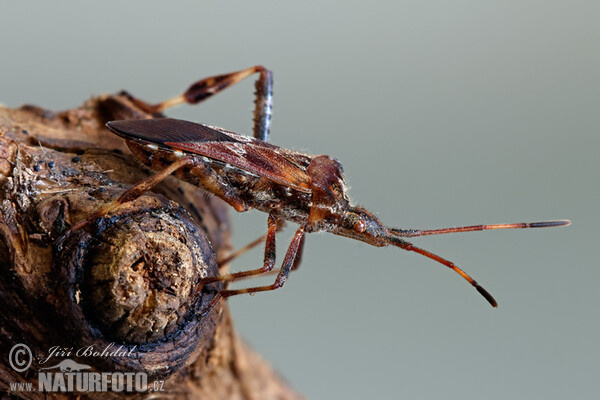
pixel 126 282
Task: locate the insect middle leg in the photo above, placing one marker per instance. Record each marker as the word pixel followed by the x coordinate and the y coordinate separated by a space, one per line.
pixel 205 88
pixel 290 261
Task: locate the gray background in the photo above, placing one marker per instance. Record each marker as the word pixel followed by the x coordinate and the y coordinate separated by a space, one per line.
pixel 443 114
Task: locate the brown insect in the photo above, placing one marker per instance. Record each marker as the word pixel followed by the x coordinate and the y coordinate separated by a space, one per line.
pixel 249 173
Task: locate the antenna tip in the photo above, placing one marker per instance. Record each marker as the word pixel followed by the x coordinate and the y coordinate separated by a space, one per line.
pixel 547 224
pixel 487 296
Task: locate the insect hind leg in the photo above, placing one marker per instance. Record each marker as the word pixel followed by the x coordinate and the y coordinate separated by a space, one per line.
pixel 263 101
pixel 133 193
pixel 207 87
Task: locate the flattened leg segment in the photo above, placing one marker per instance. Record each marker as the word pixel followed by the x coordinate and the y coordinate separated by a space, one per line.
pixel 207 87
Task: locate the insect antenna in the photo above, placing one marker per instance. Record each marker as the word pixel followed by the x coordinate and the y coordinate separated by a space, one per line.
pixel 472 228
pixel 396 241
pixel 396 236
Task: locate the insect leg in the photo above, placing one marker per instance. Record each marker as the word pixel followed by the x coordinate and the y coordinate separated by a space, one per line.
pixel 269 259
pixel 212 182
pixel 290 262
pixel 263 271
pixel 300 251
pixel 249 246
pixel 205 88
pixel 253 244
pixel 133 192
pixel 297 261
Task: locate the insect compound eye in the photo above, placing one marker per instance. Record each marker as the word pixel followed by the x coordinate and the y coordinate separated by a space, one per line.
pixel 359 226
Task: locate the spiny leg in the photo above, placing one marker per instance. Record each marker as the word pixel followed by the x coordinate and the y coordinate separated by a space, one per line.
pixel 205 88
pixel 133 193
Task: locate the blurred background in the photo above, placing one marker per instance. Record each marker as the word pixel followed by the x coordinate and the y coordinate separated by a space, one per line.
pixel 443 114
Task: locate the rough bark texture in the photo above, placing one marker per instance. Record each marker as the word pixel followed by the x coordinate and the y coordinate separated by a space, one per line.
pixel 126 281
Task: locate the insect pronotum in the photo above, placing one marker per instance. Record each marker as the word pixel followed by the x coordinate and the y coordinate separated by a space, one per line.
pixel 250 173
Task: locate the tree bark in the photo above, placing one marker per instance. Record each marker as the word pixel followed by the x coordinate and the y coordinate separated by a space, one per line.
pixel 125 284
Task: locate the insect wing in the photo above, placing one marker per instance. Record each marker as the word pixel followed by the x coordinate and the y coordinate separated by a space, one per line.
pixel 162 130
pixel 257 159
pixel 263 159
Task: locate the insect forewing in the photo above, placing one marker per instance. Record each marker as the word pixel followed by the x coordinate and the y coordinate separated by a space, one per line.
pixel 255 156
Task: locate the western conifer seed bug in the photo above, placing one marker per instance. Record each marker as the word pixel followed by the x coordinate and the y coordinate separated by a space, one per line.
pixel 250 173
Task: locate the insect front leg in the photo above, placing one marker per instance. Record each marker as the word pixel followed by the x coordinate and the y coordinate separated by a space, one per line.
pixel 205 88
pixel 250 246
pixel 269 259
pixel 299 253
pixel 239 252
pixel 288 263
